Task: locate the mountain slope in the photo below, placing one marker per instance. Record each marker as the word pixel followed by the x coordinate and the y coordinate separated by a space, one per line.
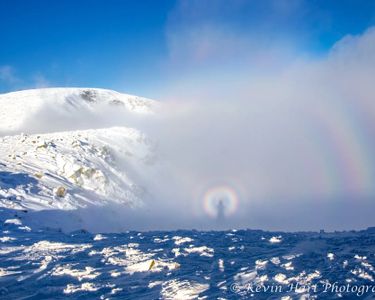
pixel 80 161
pixel 74 169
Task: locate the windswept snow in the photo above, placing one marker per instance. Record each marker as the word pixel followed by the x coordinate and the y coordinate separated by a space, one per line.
pixel 178 240
pixel 87 273
pixel 202 251
pixel 84 287
pixel 131 265
pixel 99 237
pixel 5 239
pixel 275 239
pixel 176 290
pixel 13 221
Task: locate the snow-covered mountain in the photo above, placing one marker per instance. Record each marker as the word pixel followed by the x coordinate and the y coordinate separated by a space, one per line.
pixel 51 161
pixel 24 109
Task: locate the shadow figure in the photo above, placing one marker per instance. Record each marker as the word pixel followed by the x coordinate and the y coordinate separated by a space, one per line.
pixel 220 211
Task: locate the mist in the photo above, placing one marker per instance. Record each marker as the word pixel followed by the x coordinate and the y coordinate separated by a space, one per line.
pixel 295 142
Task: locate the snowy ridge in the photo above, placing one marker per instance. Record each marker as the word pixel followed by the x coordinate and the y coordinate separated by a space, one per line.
pixel 22 107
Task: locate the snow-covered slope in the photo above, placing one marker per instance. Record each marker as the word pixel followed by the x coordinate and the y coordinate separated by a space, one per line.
pixel 70 170
pixel 84 163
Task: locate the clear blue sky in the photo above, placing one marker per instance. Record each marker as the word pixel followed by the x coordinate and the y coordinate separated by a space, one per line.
pixel 139 46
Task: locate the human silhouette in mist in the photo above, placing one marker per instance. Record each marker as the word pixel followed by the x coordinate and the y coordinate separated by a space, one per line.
pixel 220 210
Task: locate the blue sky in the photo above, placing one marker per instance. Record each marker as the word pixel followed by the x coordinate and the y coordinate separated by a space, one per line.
pixel 143 46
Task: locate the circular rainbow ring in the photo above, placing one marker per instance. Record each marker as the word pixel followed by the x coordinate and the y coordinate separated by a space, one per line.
pixel 223 193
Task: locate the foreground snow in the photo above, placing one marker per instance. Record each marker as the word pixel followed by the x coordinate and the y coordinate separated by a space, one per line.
pixel 52 265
